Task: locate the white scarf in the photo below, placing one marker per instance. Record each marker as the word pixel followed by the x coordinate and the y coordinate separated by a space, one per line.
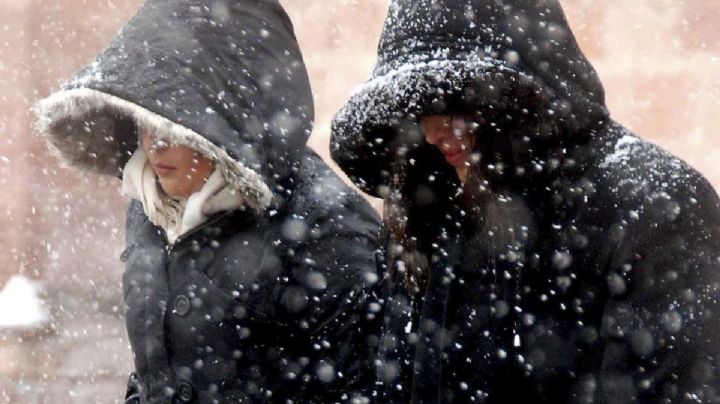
pixel 176 217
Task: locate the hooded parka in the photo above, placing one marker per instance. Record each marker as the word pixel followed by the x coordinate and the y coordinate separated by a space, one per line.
pixel 267 303
pixel 578 263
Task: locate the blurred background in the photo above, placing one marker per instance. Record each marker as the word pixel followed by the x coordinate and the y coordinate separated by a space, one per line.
pixel 62 335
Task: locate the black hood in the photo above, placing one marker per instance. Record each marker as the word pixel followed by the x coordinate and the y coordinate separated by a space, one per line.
pixel 223 77
pixel 508 59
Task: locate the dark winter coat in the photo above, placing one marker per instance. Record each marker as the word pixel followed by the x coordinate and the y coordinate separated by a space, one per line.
pixel 270 303
pixel 258 308
pixel 589 273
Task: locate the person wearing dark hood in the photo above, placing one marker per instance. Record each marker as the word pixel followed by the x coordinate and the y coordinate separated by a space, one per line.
pixel 249 263
pixel 535 250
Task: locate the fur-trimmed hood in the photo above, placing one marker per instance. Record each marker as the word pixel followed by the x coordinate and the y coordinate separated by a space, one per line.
pixel 225 78
pixel 511 60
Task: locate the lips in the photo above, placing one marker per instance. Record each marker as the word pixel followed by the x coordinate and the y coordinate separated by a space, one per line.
pixel 455 157
pixel 164 169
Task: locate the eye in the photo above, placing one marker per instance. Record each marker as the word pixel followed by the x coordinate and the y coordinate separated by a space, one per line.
pixel 160 143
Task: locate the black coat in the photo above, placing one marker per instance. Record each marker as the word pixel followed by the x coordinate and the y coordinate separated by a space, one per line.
pixel 271 303
pixel 591 271
pixel 249 309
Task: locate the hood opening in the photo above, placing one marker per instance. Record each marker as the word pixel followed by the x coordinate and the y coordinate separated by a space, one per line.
pixel 231 85
pixel 92 130
pixel 440 56
pixel 491 89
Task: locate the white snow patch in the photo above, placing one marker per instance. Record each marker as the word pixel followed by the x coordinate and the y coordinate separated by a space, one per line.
pixel 445 66
pixel 21 306
pixel 92 73
pixel 621 154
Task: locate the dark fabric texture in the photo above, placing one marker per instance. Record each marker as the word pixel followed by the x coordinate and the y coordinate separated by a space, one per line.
pixel 438 56
pixel 257 308
pixel 585 266
pixel 231 71
pixel 254 305
pixel 132 395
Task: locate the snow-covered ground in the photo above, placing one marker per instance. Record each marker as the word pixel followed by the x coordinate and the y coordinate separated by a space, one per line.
pixel 21 305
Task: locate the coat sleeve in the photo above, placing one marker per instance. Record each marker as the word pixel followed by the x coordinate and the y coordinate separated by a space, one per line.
pixel 332 297
pixel 661 325
pixel 132 394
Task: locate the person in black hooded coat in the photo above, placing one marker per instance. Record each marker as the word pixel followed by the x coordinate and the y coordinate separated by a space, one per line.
pixel 268 296
pixel 566 259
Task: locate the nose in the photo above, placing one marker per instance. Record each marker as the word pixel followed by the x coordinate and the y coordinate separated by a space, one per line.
pixel 438 134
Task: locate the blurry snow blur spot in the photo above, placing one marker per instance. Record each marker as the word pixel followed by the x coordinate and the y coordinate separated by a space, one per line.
pixel 501 308
pixel 286 122
pixel 329 189
pixel 389 371
pixel 169 391
pixel 316 281
pixel 561 260
pixel 642 342
pixel 671 321
pixel 294 229
pixel 556 32
pixel 295 299
pixel 645 384
pixel 21 305
pixel 370 277
pixel 360 400
pixel 325 372
pixel 616 284
pixel 219 10
pixel 563 282
pixel 512 57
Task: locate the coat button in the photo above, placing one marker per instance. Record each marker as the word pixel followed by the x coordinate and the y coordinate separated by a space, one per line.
pixel 125 254
pixel 182 305
pixel 184 392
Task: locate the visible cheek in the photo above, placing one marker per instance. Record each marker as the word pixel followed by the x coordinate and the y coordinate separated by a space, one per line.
pixel 186 172
pixel 469 144
pixel 208 167
pixel 434 136
pixel 436 139
pixel 451 143
pixel 187 164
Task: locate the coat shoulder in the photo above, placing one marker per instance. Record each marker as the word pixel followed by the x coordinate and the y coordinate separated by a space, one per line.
pixel 320 195
pixel 631 171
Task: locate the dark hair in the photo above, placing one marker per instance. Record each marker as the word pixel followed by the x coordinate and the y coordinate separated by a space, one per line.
pixel 401 250
pixel 415 207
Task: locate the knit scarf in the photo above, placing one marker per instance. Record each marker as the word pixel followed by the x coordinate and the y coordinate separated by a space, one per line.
pixel 176 216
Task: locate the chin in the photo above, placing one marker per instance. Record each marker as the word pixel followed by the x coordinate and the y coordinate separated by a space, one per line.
pixel 171 189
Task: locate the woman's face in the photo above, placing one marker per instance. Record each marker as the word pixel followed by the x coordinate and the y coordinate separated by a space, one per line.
pixel 454 136
pixel 181 170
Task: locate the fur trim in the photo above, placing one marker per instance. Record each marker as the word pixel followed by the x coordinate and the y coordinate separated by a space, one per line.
pixel 80 126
